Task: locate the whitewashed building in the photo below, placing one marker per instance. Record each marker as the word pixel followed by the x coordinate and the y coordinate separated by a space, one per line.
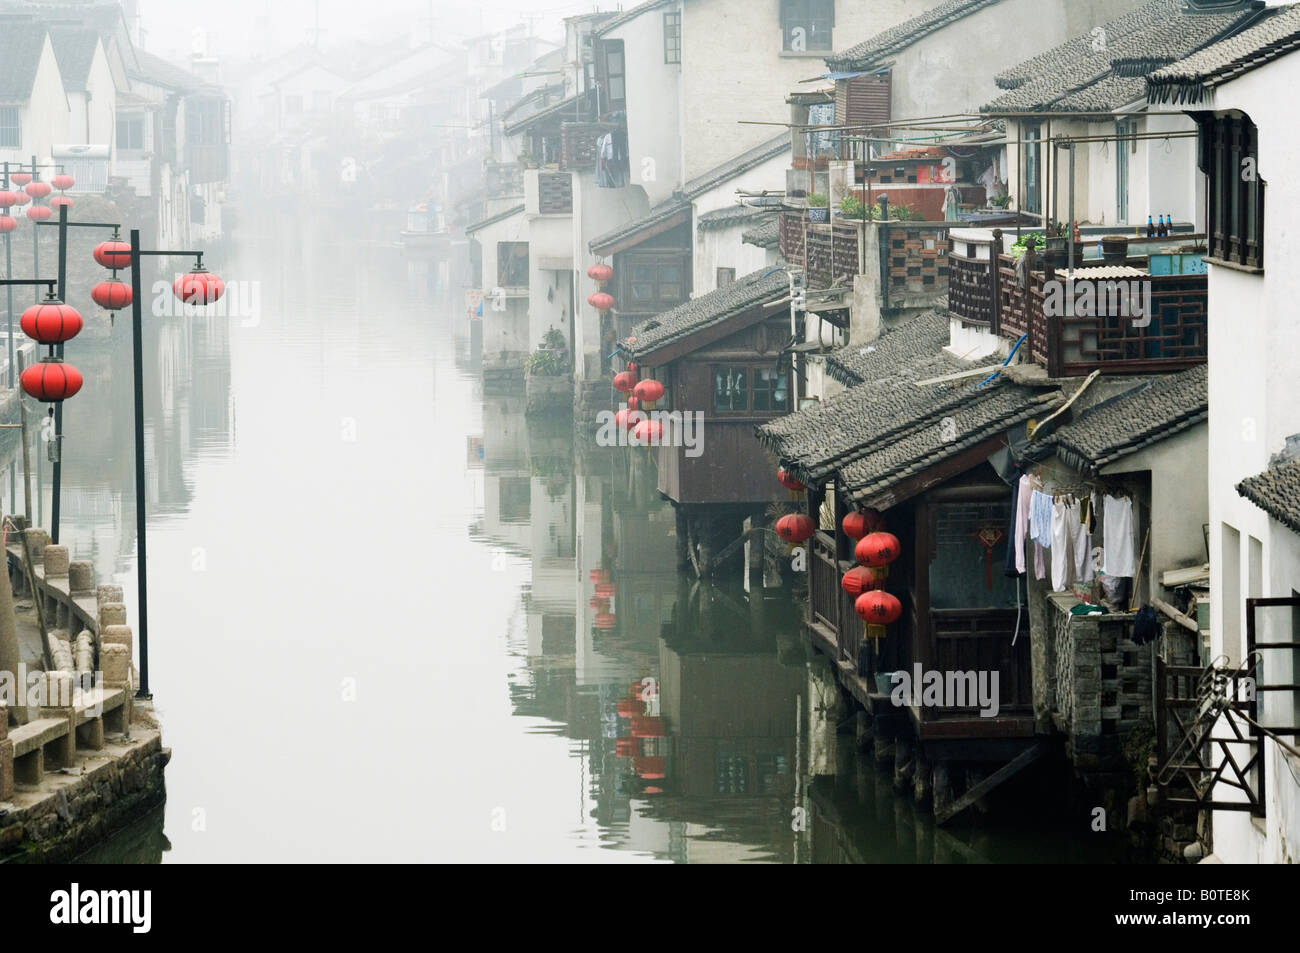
pixel 1235 90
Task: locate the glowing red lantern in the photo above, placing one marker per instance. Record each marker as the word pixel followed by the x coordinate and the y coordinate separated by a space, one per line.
pixel 7 198
pixel 858 580
pixel 857 525
pixel 648 432
pixel 600 300
pixel 878 607
pixel 7 224
pixel 113 254
pixel 198 287
pixel 651 767
pixel 648 391
pixel 795 527
pixel 39 213
pixel 62 182
pixel 624 381
pixel 59 200
pixel 600 272
pixel 51 380
pixel 789 481
pixel 51 322
pixel 877 549
pixel 111 294
pixel 38 190
pixel 20 178
pixel 604 620
pixel 647 726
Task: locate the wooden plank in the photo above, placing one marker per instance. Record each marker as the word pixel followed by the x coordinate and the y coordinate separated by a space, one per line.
pixel 1012 768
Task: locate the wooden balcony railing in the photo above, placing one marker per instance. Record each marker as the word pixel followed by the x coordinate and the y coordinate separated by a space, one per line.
pixel 831 255
pixel 1011 301
pixel 580 143
pixel 554 193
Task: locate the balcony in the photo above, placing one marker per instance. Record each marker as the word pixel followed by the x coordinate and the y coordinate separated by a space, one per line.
pixel 579 144
pixel 915 257
pixel 1173 336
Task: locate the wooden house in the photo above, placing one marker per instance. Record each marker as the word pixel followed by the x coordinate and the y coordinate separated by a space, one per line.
pixel 722 359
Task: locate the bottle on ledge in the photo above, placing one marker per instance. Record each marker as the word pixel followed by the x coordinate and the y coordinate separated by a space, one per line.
pixel 1078 238
pixel 1151 229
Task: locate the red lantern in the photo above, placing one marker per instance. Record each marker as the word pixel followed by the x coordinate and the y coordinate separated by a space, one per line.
pixel 113 254
pixel 624 381
pixel 857 525
pixel 648 432
pixel 51 381
pixel 8 199
pixel 605 590
pixel 648 390
pixel 628 418
pixel 59 200
pixel 626 747
pixel 795 527
pixel 647 726
pixel 38 190
pixel 111 294
pixel 20 178
pixel 789 481
pixel 7 224
pixel 21 198
pixel 51 322
pixel 633 404
pixel 62 182
pixel 600 300
pixel 878 607
pixel 604 620
pixel 198 287
pixel 877 549
pixel 651 767
pixel 39 213
pixel 858 580
pixel 600 272
pixel 631 366
pixel 627 707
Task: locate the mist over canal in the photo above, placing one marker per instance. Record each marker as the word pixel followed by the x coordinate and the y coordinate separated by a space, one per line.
pixel 375 632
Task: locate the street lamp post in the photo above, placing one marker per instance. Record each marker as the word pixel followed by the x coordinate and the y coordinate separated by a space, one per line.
pixel 198 287
pixel 56 441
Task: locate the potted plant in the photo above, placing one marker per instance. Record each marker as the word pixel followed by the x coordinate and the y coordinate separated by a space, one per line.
pixel 818 208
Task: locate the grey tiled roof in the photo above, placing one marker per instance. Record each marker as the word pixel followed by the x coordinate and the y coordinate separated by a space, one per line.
pixel 660 213
pixel 628 15
pixel 899 37
pixel 1188 79
pixel 733 215
pixel 75 51
pixel 574 105
pixel 493 219
pixel 20 55
pixel 158 72
pixel 738 164
pixel 766 235
pixel 885 429
pixel 1143 415
pixel 1276 491
pixel 757 287
pixel 734 166
pixel 1078 77
pixel 924 335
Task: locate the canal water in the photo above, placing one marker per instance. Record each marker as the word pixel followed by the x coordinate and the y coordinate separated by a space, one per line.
pixel 392 619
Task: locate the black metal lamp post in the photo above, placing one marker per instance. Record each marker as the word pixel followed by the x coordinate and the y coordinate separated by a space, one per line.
pixel 191 293
pixel 57 439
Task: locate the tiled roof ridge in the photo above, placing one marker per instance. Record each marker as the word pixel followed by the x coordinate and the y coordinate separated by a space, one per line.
pixel 905 34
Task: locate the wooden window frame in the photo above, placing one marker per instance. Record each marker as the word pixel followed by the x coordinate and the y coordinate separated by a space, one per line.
pixel 750 368
pixel 1232 201
pixel 673 37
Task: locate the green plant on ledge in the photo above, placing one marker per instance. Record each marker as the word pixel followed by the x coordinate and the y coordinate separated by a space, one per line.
pixel 818 201
pixel 851 207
